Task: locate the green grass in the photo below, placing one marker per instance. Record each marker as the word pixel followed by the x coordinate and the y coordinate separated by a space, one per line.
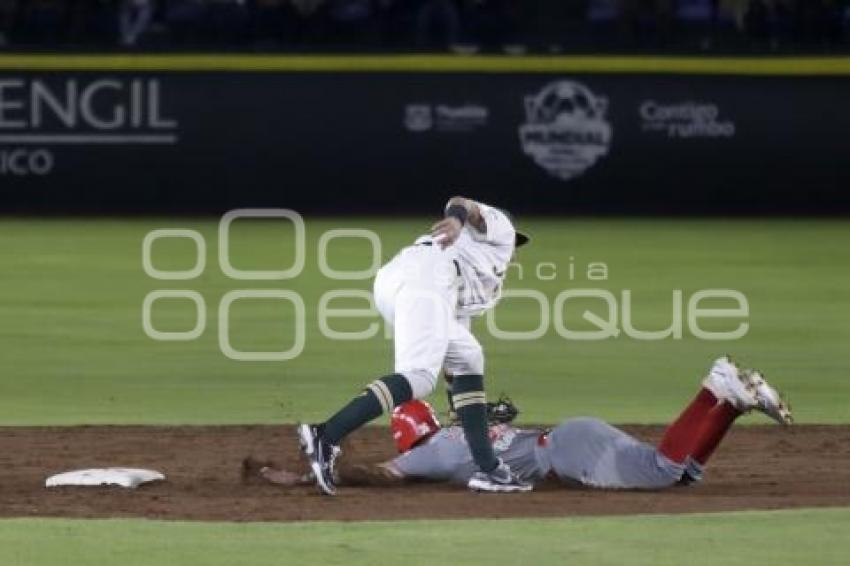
pixel 779 537
pixel 72 348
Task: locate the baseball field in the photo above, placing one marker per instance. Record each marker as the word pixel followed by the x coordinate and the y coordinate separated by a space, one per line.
pixel 616 319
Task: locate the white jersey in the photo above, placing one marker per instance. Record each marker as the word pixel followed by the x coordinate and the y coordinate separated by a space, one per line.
pixel 482 260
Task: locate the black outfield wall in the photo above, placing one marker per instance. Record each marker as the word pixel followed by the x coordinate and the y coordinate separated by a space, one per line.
pixel 568 139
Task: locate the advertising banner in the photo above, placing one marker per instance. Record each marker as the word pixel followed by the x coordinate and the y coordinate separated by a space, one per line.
pixel 330 142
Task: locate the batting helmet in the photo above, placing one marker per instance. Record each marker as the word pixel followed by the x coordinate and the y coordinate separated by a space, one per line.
pixel 412 422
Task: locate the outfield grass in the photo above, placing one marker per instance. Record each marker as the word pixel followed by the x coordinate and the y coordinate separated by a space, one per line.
pixel 746 538
pixel 72 348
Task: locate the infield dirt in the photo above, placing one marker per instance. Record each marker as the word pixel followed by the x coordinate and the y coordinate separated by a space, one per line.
pixel 757 467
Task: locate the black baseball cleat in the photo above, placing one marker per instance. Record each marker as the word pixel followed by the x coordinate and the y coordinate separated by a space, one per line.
pixel 499 480
pixel 321 455
pixel 686 479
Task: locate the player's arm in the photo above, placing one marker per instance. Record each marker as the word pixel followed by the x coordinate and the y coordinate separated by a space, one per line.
pixel 267 471
pixel 489 223
pixel 383 474
pixel 285 477
pixel 459 212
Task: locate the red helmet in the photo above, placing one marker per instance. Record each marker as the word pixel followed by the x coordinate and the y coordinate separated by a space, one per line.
pixel 411 422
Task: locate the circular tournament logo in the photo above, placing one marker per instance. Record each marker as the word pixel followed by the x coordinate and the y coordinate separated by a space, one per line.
pixel 566 131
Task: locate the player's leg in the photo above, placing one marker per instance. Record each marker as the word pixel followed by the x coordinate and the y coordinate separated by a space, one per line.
pixel 420 332
pixel 718 423
pixel 449 380
pixel 682 436
pixel 420 338
pixel 692 442
pixel 722 398
pixel 320 443
pixel 420 317
pixel 727 393
pixel 719 420
pixel 465 362
pixel 464 322
pixel 594 453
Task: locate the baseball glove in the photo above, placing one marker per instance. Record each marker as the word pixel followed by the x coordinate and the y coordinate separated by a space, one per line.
pixel 501 411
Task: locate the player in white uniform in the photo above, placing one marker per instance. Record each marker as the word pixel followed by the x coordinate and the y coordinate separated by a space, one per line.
pixel 427 293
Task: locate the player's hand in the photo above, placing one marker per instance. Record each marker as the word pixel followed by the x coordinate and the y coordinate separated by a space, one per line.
pixel 446 231
pixel 279 477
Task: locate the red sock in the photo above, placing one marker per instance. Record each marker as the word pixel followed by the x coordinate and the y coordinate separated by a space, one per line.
pixel 715 426
pixel 680 439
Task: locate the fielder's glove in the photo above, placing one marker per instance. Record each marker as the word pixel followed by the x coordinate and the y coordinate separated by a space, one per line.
pixel 501 411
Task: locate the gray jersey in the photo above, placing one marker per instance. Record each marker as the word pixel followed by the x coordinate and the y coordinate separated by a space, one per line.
pixel 592 452
pixel 584 450
pixel 446 456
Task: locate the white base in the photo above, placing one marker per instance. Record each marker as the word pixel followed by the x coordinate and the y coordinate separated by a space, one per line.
pixel 123 477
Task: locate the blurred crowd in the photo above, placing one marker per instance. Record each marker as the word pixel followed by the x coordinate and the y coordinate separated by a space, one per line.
pixel 472 25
